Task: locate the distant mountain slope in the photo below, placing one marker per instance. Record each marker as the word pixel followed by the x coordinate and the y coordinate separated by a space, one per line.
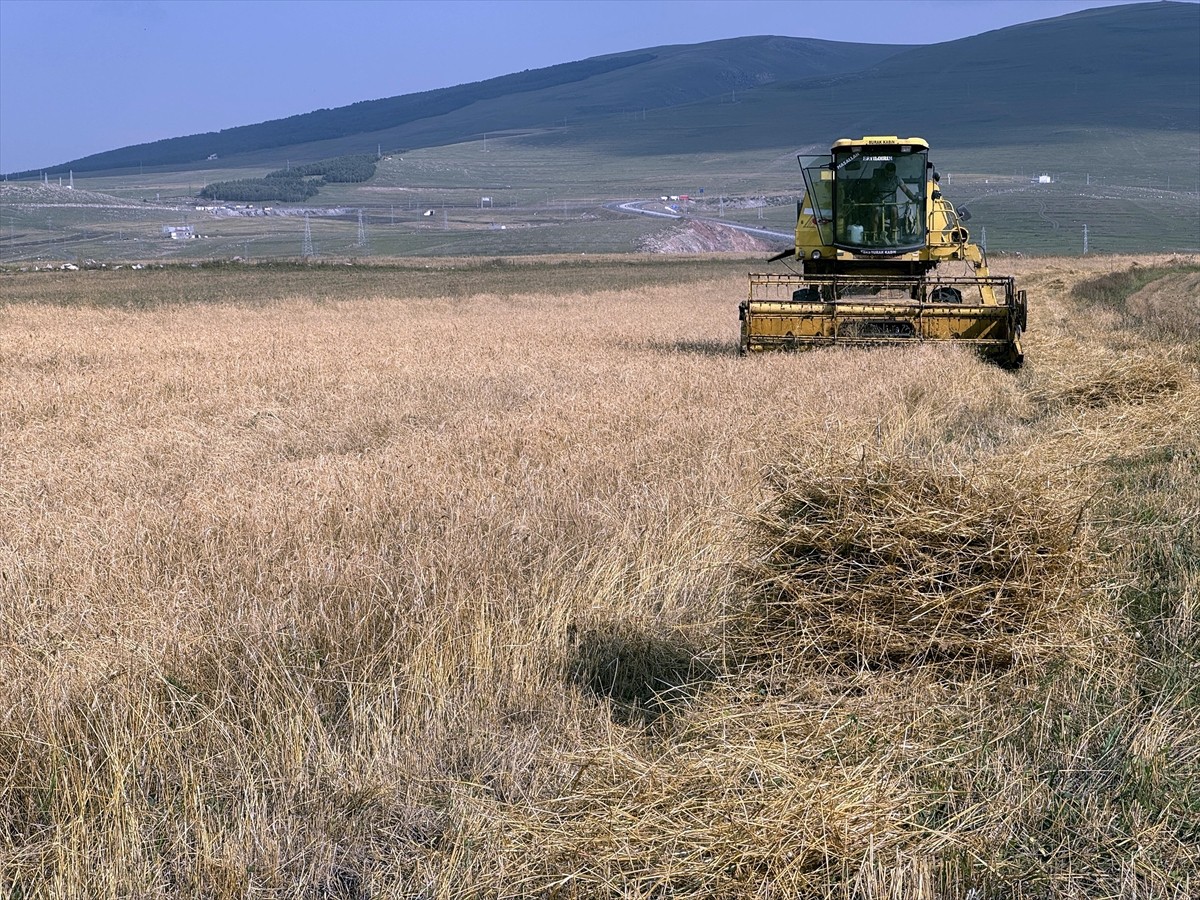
pixel 1138 65
pixel 1133 67
pixel 1122 67
pixel 597 87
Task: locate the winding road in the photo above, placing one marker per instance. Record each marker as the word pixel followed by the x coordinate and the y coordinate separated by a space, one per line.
pixel 637 207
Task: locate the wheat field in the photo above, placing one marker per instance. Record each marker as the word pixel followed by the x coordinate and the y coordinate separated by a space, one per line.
pixel 341 584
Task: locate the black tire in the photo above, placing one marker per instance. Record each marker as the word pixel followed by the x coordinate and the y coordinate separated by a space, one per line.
pixel 1014 356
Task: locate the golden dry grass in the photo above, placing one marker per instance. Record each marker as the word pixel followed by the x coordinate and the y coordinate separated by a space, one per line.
pixel 324 592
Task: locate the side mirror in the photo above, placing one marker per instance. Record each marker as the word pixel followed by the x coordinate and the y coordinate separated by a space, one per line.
pixel 964 214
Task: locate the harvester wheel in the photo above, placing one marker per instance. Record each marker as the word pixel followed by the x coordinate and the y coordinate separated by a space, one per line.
pixel 1014 356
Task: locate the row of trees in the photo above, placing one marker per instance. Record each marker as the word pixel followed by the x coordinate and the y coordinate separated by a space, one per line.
pixel 343 169
pixel 294 185
pixel 261 190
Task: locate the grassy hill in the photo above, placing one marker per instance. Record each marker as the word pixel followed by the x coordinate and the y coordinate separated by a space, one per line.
pixel 588 89
pixel 1131 67
pixel 1127 67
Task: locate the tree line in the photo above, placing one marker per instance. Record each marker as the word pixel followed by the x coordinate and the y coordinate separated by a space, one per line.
pixel 343 169
pixel 294 184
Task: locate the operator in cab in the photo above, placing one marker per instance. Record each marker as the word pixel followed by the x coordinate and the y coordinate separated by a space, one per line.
pixel 884 185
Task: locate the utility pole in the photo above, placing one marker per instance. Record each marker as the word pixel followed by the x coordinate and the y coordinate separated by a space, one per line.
pixel 1085 240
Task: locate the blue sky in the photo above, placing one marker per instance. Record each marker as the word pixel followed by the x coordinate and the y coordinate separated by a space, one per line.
pixel 83 76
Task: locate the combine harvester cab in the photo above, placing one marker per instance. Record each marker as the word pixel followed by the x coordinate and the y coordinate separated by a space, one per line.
pixel 884 259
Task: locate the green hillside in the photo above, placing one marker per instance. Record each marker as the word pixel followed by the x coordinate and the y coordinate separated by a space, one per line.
pixel 1131 67
pixel 586 90
pixel 1134 67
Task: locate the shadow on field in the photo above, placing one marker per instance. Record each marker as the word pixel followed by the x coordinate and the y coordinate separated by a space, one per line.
pixel 699 347
pixel 642 674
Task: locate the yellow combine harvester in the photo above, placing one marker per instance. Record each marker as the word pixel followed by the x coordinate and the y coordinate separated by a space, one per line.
pixel 884 259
